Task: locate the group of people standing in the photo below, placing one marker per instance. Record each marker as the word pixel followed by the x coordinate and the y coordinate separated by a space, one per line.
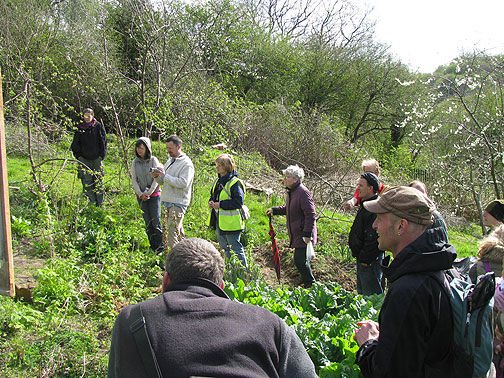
pixel 89 147
pixel 363 238
pixel 169 186
pixel 412 338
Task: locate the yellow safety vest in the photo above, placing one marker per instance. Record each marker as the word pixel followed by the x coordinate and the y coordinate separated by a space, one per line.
pixel 229 220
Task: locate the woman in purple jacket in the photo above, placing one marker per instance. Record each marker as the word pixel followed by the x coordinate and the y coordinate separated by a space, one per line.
pixel 301 224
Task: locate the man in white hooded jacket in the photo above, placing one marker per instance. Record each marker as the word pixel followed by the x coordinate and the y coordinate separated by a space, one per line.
pixel 176 177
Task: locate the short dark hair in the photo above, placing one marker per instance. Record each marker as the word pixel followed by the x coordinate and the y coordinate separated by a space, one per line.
pixel 147 150
pixel 372 180
pixel 175 140
pixel 88 110
pixel 195 258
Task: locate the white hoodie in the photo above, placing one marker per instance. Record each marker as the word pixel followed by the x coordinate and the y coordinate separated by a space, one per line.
pixel 177 181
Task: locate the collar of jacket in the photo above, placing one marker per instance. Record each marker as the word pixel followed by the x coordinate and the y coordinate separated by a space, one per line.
pixel 368 199
pixel 87 126
pixel 228 176
pixel 202 285
pixel 294 187
pixel 428 253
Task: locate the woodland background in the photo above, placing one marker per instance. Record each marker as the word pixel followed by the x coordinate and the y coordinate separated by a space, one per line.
pixel 299 81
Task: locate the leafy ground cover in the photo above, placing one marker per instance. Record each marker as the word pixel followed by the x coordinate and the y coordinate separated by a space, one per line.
pixel 82 265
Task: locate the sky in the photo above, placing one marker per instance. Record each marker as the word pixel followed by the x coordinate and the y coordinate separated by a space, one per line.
pixel 428 33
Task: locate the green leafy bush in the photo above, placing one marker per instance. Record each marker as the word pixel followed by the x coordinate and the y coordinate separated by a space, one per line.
pixel 325 318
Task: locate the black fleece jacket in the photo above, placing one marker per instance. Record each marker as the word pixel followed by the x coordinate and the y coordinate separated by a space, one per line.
pixel 90 142
pixel 363 240
pixel 196 330
pixel 415 318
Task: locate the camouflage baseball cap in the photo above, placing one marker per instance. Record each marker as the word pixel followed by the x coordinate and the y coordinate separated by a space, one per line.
pixel 404 202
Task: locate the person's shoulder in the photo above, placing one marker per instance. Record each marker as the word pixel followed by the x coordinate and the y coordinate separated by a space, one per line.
pixel 254 312
pixel 186 160
pixel 146 305
pixel 414 285
pixel 303 189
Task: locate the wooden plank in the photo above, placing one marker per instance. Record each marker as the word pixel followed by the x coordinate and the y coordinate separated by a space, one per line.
pixel 6 259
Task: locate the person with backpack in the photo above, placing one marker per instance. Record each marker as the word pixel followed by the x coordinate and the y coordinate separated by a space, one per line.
pixel 226 200
pixel 147 191
pixel 413 337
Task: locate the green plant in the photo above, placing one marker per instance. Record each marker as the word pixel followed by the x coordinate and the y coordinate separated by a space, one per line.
pixel 325 318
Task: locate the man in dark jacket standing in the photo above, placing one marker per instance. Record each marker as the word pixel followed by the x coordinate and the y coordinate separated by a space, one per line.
pixel 301 223
pixel 413 336
pixel 363 240
pixel 89 146
pixel 196 330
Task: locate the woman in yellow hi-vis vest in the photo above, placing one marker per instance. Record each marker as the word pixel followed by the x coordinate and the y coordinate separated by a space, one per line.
pixel 226 200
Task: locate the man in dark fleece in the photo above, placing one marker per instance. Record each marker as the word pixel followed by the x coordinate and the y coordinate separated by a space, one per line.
pixel 363 242
pixel 196 330
pixel 413 336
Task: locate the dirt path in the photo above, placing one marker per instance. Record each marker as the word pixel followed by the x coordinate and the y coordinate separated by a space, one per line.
pixel 325 268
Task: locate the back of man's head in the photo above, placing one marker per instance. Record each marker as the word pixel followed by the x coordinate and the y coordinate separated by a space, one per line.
pixel 195 258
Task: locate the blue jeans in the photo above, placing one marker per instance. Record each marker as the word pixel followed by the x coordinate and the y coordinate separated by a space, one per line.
pixel 152 216
pixel 231 241
pixel 370 277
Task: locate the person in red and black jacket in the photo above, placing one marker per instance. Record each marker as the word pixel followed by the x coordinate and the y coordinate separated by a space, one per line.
pixel 371 166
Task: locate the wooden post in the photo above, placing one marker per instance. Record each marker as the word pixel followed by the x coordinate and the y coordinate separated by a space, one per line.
pixel 6 260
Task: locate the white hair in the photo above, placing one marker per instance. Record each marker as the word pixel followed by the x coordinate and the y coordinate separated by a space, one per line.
pixel 294 171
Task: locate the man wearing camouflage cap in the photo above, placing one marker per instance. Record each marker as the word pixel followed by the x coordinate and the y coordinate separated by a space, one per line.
pixel 413 335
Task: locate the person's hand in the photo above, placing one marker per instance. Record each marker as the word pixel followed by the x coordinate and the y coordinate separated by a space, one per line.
pixel 306 239
pixel 350 203
pixel 214 205
pixel 144 197
pixel 269 211
pixel 369 330
pixel 159 172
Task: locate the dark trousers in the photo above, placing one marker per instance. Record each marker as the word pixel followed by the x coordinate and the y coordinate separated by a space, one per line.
pixel 91 176
pixel 303 266
pixel 152 216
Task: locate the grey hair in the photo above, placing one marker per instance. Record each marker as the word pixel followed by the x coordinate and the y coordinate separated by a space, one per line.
pixel 195 258
pixel 295 171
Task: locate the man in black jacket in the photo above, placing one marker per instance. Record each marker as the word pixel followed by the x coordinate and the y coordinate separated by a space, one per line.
pixel 413 336
pixel 196 330
pixel 363 240
pixel 89 146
